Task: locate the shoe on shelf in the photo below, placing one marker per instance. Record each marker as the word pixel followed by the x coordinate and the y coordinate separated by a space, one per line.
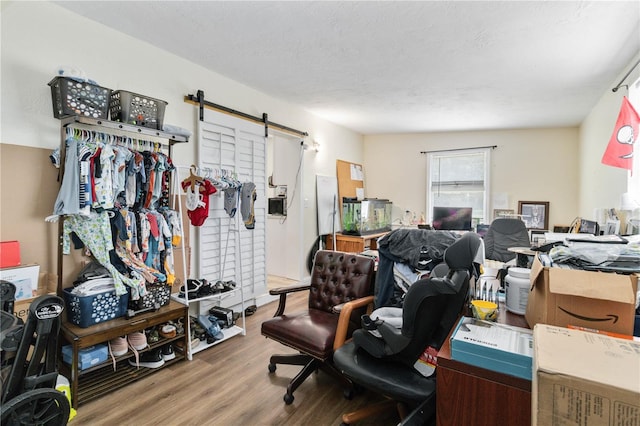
pixel 178 325
pixel 229 285
pixel 194 344
pixel 118 346
pixel 137 340
pixel 167 352
pixel 150 359
pixel 192 288
pixel 168 331
pixel 218 287
pixel 205 290
pixel 152 335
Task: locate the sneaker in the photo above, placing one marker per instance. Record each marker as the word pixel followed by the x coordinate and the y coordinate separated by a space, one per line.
pixel 167 352
pixel 150 359
pixel 118 346
pixel 137 340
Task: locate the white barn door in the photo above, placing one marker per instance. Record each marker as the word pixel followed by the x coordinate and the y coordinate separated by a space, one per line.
pixel 227 249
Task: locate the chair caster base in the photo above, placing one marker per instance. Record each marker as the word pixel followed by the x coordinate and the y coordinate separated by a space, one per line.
pixel 272 368
pixel 288 399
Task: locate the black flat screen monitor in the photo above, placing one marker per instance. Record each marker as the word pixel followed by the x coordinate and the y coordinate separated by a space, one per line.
pixel 452 218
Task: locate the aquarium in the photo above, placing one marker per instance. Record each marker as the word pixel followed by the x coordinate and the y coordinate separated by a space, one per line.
pixel 368 216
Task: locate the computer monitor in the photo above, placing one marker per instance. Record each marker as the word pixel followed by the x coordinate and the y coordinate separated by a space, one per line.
pixel 452 218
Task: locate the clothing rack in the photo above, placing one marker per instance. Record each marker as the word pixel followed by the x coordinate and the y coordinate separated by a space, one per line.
pixel 198 99
pixel 138 144
pixel 116 132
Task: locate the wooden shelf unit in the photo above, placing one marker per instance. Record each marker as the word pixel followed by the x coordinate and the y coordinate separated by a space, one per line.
pixel 98 380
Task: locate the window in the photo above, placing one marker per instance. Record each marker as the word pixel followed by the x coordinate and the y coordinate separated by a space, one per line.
pixel 459 178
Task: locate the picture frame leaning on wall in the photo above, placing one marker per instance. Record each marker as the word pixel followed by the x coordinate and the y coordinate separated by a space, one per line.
pixel 535 214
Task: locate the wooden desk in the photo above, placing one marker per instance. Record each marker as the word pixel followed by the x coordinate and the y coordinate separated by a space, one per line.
pixel 469 395
pixel 354 243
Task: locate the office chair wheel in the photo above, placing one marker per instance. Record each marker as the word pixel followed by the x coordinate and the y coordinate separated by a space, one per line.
pixel 272 368
pixel 288 399
pixel 36 407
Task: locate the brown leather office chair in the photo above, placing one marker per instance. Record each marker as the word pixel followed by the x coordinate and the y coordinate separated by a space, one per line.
pixel 336 278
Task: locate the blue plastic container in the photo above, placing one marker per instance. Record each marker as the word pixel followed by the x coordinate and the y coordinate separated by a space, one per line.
pixel 85 311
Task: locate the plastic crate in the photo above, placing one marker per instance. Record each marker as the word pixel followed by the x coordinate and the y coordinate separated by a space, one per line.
pixel 85 311
pixel 72 97
pixel 157 294
pixel 132 108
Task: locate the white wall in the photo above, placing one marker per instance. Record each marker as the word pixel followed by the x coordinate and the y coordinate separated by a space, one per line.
pixel 602 186
pixel 37 37
pixel 527 165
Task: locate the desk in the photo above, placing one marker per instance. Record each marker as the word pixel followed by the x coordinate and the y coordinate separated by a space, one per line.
pixel 469 395
pixel 354 243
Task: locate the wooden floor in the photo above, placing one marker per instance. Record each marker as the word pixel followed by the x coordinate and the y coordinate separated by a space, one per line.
pixel 229 384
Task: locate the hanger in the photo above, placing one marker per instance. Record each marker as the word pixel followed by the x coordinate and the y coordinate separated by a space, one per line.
pixel 193 178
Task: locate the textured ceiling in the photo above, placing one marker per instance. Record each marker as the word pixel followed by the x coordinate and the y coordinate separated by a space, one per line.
pixel 395 67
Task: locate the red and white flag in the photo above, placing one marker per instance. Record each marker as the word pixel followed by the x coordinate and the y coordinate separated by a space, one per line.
pixel 619 152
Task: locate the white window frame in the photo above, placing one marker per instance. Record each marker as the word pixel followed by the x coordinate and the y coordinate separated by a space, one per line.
pixel 487 178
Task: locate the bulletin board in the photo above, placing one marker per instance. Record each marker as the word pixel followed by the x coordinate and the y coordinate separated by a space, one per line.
pixel 350 180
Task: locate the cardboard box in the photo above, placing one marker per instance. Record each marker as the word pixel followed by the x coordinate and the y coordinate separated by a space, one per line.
pixel 87 357
pixel 599 300
pixel 583 378
pixel 25 278
pixel 9 254
pixel 46 285
pixel 497 347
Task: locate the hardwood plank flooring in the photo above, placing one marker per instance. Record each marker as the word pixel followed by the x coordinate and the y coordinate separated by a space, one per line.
pixel 229 384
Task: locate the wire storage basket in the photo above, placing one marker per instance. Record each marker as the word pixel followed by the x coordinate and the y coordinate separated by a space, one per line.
pixel 72 97
pixel 132 108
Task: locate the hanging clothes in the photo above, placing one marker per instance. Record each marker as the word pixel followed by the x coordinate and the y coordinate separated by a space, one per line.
pixel 95 233
pixel 248 196
pixel 199 214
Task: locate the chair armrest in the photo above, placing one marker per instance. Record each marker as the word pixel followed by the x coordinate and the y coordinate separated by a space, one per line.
pixel 345 314
pixel 282 292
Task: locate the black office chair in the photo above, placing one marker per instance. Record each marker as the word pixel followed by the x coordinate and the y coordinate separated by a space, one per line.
pixel 385 364
pixel 504 233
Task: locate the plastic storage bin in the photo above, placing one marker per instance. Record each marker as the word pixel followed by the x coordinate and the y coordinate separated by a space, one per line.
pixel 72 97
pixel 157 295
pixel 85 311
pixel 87 357
pixel 132 108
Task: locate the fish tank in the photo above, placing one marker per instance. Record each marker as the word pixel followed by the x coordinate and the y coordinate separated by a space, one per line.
pixel 368 216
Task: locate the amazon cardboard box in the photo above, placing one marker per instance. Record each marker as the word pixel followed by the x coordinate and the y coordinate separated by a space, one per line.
pixel 583 378
pixel 597 300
